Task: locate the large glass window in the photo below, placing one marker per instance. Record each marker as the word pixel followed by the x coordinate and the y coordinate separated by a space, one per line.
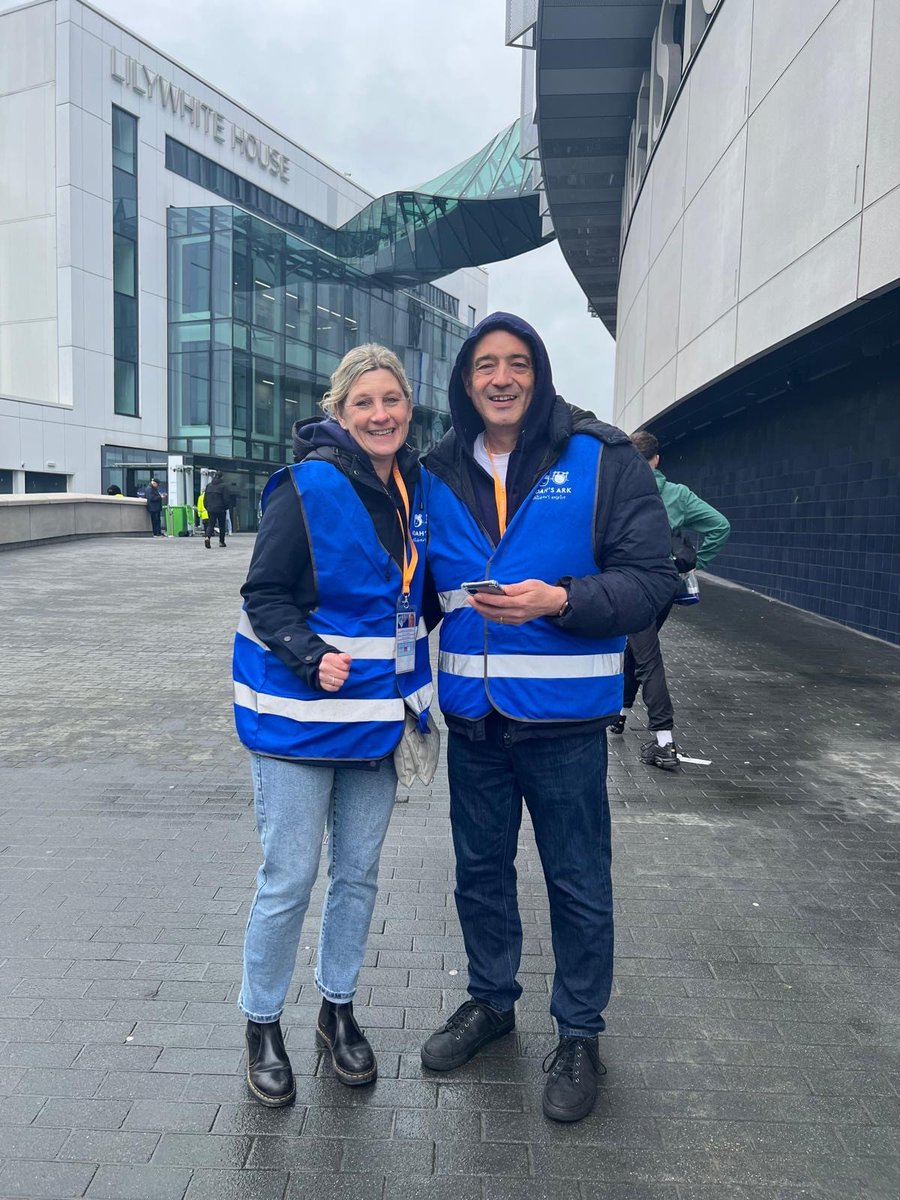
pixel 126 399
pixel 124 140
pixel 259 319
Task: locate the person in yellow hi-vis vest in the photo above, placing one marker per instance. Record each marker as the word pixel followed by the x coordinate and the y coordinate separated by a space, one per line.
pixel 203 515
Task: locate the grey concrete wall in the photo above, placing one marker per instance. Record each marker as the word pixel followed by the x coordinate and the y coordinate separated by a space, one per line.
pixel 38 518
pixel 773 199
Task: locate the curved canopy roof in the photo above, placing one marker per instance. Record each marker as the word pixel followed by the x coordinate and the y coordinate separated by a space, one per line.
pixel 480 211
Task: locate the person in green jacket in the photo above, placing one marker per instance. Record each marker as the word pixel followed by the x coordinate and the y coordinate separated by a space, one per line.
pixel 644 666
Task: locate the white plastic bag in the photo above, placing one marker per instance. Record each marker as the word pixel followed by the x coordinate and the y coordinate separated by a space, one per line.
pixel 416 755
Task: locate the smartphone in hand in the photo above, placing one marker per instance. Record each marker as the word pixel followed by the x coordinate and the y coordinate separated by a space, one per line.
pixel 491 586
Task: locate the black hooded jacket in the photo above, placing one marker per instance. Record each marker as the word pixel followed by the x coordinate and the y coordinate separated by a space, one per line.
pixel 632 542
pixel 217 498
pixel 280 590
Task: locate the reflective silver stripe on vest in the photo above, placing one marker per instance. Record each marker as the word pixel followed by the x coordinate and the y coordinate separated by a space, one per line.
pixel 340 712
pixel 532 666
pixel 360 647
pixel 368 647
pixel 451 601
pixel 245 629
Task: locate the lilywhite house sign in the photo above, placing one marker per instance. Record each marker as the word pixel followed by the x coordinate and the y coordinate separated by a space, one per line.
pixel 144 82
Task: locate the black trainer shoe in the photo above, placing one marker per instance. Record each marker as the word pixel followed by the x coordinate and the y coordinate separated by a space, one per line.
pixel 617 727
pixel 664 757
pixel 351 1055
pixel 572 1069
pixel 472 1026
pixel 269 1075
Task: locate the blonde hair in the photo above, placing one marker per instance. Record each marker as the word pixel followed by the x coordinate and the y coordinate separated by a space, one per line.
pixel 356 362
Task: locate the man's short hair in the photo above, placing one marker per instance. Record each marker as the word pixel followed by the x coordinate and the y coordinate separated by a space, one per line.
pixel 646 443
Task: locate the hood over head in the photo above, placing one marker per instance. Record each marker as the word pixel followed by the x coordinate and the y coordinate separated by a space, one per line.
pixel 317 434
pixel 466 421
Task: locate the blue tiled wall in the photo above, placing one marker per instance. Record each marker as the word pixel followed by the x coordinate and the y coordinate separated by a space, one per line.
pixel 810 481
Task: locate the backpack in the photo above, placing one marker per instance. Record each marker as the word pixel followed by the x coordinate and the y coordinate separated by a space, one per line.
pixel 683 551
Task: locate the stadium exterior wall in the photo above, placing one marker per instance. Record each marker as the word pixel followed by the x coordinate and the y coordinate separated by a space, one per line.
pixel 772 201
pixel 767 233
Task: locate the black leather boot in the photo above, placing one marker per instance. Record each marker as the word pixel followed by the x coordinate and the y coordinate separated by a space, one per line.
pixel 351 1055
pixel 269 1075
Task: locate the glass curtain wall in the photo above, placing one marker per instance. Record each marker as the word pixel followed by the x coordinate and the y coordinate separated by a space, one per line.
pixel 259 319
pixel 125 263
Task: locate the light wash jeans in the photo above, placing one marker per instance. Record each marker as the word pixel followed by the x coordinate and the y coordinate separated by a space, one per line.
pixel 295 804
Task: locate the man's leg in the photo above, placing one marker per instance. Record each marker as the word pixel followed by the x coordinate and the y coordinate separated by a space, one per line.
pixel 485 814
pixel 565 790
pixel 661 751
pixel 630 691
pixel 564 780
pixel 651 675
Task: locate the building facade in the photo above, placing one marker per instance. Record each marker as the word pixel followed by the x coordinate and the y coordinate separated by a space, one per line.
pixel 724 180
pixel 175 289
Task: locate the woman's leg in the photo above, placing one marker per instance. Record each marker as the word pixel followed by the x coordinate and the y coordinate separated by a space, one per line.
pixel 292 804
pixel 361 812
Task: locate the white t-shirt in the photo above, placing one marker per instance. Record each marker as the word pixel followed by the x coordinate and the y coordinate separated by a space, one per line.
pixel 501 461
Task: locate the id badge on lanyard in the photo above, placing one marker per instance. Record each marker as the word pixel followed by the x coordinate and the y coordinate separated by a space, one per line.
pixel 407 629
pixel 407 617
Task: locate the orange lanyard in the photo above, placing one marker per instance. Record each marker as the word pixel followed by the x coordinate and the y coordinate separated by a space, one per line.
pixel 499 494
pixel 411 559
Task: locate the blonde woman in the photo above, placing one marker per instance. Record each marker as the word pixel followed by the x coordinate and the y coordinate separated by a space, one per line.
pixel 331 650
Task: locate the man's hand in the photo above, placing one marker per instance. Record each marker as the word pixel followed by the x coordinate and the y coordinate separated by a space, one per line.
pixel 525 601
pixel 333 671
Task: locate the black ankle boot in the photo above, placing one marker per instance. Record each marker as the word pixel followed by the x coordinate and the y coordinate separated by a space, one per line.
pixel 351 1055
pixel 269 1075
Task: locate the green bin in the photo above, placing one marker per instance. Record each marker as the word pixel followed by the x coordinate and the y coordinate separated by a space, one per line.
pixel 179 519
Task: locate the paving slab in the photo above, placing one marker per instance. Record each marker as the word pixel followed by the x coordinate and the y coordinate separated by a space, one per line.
pixel 753 1048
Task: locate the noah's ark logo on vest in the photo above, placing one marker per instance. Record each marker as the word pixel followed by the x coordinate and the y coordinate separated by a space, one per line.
pixel 553 486
pixel 419 528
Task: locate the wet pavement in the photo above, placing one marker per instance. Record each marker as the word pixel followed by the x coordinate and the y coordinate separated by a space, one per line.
pixel 752 1048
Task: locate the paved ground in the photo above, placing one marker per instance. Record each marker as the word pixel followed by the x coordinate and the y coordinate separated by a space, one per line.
pixel 752 1045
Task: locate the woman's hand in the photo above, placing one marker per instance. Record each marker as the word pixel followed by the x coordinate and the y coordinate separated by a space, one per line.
pixel 333 671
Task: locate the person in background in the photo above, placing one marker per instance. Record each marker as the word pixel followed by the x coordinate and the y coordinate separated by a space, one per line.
pixel 114 490
pixel 559 509
pixel 203 518
pixel 154 500
pixel 644 667
pixel 331 651
pixel 218 499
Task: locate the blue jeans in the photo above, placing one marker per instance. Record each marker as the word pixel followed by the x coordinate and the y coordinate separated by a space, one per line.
pixel 295 804
pixel 563 782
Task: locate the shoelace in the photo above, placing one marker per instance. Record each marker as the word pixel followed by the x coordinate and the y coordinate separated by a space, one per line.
pixel 566 1059
pixel 462 1016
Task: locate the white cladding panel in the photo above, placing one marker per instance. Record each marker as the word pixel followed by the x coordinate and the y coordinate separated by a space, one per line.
pixel 29 56
pixel 661 339
pixel 806 146
pixel 882 153
pixel 785 176
pixel 718 103
pixel 712 243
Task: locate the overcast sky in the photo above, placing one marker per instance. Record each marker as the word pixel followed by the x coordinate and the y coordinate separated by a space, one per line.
pixel 394 92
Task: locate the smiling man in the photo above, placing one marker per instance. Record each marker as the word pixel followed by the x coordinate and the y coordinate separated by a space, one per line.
pixel 562 511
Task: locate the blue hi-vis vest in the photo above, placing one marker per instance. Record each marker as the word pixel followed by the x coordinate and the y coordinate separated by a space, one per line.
pixel 535 671
pixel 358 585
